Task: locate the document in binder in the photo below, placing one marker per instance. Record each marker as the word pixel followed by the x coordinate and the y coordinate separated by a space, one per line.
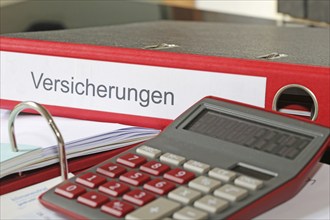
pixel 86 143
pixel 149 73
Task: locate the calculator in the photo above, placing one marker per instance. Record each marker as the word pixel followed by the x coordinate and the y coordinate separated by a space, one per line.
pixel 218 160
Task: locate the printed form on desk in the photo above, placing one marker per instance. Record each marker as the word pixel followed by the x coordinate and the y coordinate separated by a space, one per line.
pixel 24 204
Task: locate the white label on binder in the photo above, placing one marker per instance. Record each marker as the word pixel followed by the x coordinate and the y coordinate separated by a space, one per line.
pixel 120 87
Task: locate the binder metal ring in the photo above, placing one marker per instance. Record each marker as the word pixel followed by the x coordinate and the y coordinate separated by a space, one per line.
pixel 314 112
pixel 41 110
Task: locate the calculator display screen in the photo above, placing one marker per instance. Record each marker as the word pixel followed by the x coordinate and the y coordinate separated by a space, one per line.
pixel 263 137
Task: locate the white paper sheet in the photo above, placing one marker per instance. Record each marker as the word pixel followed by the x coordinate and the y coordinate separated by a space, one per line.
pixel 113 136
pixel 311 203
pixel 24 204
pixel 34 130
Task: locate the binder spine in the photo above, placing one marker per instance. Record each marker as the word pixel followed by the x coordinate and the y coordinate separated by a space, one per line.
pixel 315 79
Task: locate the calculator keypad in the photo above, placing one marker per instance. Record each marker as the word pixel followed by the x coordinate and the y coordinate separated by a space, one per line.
pixel 111 170
pixel 172 159
pixel 190 213
pixel 150 184
pixel 184 195
pixel 211 204
pixel 91 180
pixel 231 193
pixel 93 199
pixel 157 209
pixel 204 184
pixel 248 182
pixel 179 176
pixel 134 178
pixel 117 208
pixel 222 174
pixel 195 166
pixel 131 160
pixel 70 190
pixel 154 168
pixel 148 151
pixel 114 188
pixel 139 197
pixel 159 186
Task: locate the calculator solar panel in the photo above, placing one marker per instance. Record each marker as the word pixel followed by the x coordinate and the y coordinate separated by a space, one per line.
pixel 218 160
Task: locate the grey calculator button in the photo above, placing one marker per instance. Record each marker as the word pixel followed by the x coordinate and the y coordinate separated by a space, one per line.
pixel 190 213
pixel 157 209
pixel 231 193
pixel 248 182
pixel 148 151
pixel 184 195
pixel 196 166
pixel 172 159
pixel 211 204
pixel 204 184
pixel 222 174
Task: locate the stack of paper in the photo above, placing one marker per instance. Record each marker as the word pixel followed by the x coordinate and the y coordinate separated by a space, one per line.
pixel 11 160
pixel 37 145
pixel 30 157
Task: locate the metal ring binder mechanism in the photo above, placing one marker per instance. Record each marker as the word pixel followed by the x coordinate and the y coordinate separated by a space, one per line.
pixel 41 110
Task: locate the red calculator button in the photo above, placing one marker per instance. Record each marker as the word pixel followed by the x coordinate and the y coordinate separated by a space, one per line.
pixel 139 197
pixel 93 199
pixel 131 160
pixel 154 168
pixel 70 190
pixel 134 178
pixel 90 180
pixel 180 176
pixel 111 170
pixel 114 188
pixel 117 208
pixel 159 186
